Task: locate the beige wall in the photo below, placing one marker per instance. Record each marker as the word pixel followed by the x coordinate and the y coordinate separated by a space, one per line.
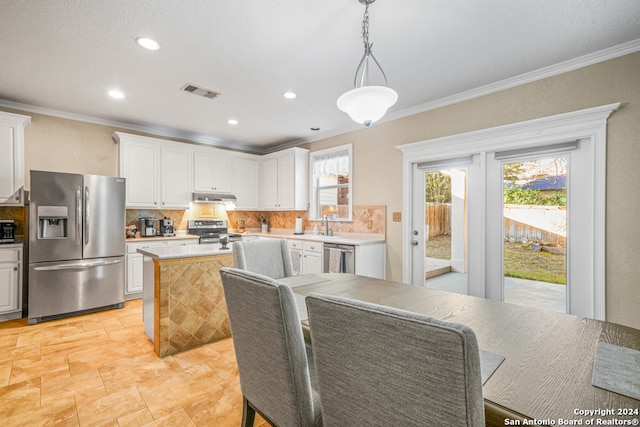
pixel 61 145
pixel 70 146
pixel 605 83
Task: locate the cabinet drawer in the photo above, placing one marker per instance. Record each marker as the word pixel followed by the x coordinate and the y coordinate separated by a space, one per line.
pixel 312 247
pixel 9 255
pixel 133 247
pixel 295 244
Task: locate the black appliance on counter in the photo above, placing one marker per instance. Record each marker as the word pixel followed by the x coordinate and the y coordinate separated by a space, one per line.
pixel 7 231
pixel 209 230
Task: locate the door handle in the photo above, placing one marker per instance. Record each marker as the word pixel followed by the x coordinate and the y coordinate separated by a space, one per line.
pixel 80 266
pixel 87 208
pixel 78 216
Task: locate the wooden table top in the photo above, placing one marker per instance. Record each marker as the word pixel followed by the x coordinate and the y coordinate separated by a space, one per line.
pixel 547 371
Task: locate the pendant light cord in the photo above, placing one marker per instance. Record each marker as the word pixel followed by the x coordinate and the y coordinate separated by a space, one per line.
pixel 363 67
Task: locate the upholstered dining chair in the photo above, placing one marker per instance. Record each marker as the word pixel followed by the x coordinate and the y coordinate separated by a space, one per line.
pixel 275 365
pixel 382 366
pixel 269 257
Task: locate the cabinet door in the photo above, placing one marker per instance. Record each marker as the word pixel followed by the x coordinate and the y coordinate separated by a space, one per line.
pixel 134 273
pixel 245 173
pixel 286 182
pixel 270 184
pixel 7 169
pixel 222 173
pixel 212 171
pixel 203 171
pixel 312 263
pixel 177 172
pixel 9 287
pixel 139 165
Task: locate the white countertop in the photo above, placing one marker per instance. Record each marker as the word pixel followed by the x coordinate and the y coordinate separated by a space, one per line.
pixel 160 238
pixel 337 238
pixel 187 251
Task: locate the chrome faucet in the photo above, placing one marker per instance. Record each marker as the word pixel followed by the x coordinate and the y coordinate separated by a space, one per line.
pixel 325 224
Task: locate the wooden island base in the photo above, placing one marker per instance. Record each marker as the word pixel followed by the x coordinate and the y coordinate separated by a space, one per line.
pixel 189 305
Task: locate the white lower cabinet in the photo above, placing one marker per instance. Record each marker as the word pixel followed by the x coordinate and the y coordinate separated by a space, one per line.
pixel 312 257
pixel 11 282
pixel 134 263
pixel 306 257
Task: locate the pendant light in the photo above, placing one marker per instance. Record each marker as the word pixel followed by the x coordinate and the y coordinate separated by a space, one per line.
pixel 366 104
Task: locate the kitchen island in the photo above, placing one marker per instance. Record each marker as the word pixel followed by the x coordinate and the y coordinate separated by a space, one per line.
pixel 183 300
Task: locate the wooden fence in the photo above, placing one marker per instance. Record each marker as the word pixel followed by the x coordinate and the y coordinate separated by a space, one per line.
pixel 519 231
pixel 438 218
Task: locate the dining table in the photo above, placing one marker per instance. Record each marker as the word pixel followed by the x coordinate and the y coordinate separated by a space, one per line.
pixel 550 361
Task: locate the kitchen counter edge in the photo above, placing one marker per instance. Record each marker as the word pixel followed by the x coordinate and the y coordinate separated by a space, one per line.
pixel 189 251
pixel 339 238
pixel 159 238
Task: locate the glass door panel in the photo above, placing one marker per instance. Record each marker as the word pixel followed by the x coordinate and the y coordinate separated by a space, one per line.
pixel 445 230
pixel 535 232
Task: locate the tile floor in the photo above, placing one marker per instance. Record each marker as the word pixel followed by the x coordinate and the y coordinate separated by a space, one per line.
pixel 99 369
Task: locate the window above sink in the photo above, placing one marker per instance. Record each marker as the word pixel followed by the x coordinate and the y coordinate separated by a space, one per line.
pixel 332 184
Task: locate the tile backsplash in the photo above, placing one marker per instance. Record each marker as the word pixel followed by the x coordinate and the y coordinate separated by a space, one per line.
pixel 366 219
pixel 18 214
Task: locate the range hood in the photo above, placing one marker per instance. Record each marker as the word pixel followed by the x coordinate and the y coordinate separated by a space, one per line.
pixel 213 198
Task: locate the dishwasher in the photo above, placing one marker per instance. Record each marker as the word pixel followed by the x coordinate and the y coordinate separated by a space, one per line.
pixel 339 258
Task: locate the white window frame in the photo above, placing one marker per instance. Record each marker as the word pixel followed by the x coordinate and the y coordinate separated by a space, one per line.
pixel 314 189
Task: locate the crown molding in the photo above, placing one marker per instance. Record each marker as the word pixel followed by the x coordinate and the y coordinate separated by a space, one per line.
pixel 532 76
pixel 160 131
pixel 542 73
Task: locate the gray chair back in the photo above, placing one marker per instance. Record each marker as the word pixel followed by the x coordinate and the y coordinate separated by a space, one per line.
pixel 269 257
pixel 380 366
pixel 273 359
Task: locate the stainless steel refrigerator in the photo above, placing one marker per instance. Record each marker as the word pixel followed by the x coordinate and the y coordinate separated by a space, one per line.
pixel 76 244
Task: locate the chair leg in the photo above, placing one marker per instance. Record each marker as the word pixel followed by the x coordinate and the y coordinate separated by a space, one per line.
pixel 248 413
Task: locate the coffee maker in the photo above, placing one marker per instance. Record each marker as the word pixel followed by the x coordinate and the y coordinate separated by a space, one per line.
pixel 148 226
pixel 166 227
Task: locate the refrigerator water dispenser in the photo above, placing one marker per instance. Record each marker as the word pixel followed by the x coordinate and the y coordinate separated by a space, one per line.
pixel 52 222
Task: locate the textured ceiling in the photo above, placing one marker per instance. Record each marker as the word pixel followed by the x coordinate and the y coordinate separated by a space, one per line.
pixel 63 56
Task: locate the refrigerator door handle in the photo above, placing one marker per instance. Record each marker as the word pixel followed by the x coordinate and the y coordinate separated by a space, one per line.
pixel 78 266
pixel 86 215
pixel 78 216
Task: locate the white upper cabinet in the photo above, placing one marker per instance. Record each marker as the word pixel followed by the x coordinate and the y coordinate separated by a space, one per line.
pixel 164 174
pixel 158 172
pixel 12 158
pixel 213 171
pixel 246 171
pixel 284 180
pixel 139 164
pixel 176 184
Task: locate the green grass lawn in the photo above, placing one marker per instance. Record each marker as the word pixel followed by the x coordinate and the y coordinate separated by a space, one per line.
pixel 519 260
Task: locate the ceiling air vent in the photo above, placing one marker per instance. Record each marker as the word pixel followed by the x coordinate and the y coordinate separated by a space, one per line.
pixel 200 91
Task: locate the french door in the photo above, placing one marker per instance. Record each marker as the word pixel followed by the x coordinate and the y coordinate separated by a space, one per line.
pixel 579 138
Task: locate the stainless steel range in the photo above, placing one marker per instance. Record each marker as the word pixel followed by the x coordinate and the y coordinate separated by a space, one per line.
pixel 210 230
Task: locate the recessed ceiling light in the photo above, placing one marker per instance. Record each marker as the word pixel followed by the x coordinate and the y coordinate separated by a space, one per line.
pixel 116 94
pixel 289 95
pixel 148 43
pixel 232 122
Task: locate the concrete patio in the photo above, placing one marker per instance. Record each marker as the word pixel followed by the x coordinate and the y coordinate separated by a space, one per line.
pixel 547 296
